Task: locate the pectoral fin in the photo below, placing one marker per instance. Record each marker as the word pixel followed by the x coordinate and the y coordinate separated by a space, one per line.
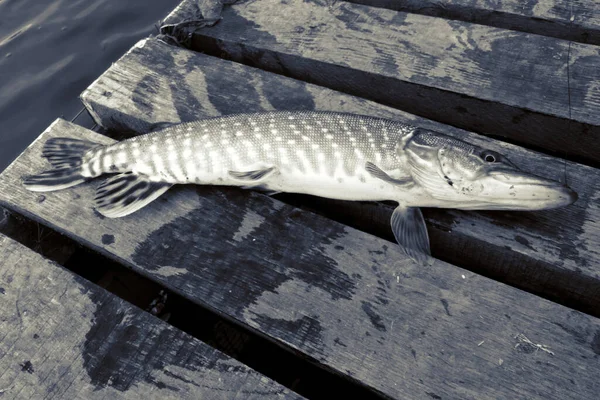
pixel 377 172
pixel 410 231
pixel 125 193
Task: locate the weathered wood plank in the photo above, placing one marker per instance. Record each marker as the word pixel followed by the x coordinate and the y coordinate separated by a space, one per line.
pixel 346 299
pixel 533 90
pixel 555 253
pixel 577 20
pixel 64 337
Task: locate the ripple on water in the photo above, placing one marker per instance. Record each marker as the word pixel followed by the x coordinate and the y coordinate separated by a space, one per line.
pixel 51 51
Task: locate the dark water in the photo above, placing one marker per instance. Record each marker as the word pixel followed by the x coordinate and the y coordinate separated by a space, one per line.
pixel 51 50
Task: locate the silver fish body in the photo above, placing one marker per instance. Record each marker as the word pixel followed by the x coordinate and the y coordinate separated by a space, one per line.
pixel 334 155
pixel 316 153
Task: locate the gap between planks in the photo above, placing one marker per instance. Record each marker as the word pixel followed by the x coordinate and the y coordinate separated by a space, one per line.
pixel 563 19
pixel 64 337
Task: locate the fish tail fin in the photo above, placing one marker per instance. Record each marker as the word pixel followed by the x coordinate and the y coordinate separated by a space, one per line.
pixel 54 179
pixel 66 152
pixel 65 155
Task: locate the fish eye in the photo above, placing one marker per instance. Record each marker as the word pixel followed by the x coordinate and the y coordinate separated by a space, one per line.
pixel 489 156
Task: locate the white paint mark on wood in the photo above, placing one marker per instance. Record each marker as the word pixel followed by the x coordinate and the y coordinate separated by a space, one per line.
pixel 543 8
pixel 250 222
pixel 167 270
pixel 140 44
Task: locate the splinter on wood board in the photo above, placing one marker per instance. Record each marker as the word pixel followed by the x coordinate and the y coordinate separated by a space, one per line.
pixel 334 155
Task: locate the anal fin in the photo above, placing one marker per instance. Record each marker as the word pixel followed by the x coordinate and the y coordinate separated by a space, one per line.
pixel 411 234
pixel 125 193
pixel 264 189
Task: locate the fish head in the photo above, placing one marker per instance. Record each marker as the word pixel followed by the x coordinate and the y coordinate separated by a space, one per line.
pixel 457 174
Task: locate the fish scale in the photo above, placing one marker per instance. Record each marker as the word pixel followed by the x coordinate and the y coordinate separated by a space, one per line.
pixel 308 149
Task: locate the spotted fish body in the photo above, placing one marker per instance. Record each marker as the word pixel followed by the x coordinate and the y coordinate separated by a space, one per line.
pixel 334 155
pixel 317 153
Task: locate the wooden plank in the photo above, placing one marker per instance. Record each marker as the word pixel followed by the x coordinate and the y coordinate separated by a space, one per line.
pixel 64 337
pixel 555 253
pixel 347 300
pixel 577 20
pixel 533 90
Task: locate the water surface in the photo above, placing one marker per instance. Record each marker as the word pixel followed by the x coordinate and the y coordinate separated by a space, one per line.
pixel 50 51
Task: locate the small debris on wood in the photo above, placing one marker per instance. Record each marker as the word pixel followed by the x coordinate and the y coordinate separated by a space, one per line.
pixel 27 367
pixel 180 34
pixel 158 306
pixel 5 389
pixel 480 343
pixel 528 346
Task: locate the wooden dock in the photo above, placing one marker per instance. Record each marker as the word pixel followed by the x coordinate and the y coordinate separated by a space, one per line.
pixel 509 310
pixel 63 337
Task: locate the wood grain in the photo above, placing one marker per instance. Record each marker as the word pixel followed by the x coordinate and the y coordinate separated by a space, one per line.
pixel 347 300
pixel 577 20
pixel 555 253
pixel 63 337
pixel 532 90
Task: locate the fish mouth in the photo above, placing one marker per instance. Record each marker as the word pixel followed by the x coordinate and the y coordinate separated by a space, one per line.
pixel 558 198
pixel 523 191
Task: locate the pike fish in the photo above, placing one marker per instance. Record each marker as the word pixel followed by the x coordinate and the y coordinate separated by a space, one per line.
pixel 327 154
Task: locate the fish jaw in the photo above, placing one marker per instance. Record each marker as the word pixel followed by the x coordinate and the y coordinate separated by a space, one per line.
pixel 518 190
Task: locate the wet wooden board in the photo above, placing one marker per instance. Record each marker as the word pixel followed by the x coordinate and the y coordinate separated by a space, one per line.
pixel 555 253
pixel 64 337
pixel 577 20
pixel 348 300
pixel 533 90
